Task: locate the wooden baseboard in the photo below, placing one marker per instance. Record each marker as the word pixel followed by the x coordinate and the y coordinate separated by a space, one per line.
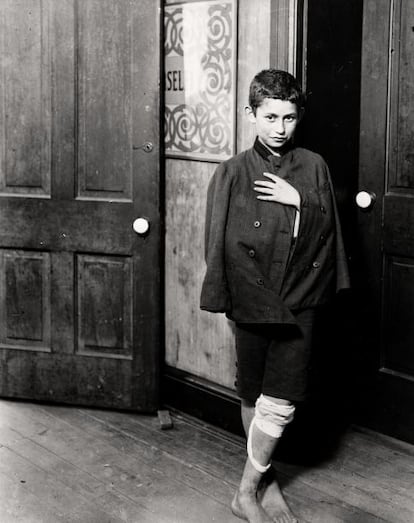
pixel 202 399
pixel 219 406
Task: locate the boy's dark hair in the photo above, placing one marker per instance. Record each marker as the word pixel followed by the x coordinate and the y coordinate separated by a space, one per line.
pixel 273 83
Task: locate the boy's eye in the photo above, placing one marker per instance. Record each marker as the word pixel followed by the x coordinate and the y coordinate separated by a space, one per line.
pixel 290 118
pixel 270 117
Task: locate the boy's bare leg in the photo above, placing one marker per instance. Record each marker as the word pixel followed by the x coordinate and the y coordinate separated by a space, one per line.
pixel 247 413
pixel 246 502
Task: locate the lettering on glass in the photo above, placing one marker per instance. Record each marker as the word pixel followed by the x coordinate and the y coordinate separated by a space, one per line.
pixel 200 79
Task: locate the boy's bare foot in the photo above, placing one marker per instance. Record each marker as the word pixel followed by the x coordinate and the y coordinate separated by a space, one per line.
pixel 276 505
pixel 245 506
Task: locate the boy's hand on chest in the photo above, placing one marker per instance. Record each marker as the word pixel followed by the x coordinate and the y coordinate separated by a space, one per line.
pixel 276 189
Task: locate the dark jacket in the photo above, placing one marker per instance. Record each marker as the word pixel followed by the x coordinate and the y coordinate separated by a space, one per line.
pixel 254 274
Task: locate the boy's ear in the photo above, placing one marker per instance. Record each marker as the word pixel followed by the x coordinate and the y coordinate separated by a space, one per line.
pixel 250 113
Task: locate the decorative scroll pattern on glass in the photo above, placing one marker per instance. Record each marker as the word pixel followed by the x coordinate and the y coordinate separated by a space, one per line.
pixel 200 79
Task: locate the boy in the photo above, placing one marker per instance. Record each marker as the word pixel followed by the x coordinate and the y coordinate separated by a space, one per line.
pixel 274 254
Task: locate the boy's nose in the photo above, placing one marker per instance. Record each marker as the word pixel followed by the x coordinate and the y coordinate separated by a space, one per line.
pixel 279 126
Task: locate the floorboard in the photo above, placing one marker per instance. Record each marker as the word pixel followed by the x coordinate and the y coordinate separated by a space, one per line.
pixel 68 464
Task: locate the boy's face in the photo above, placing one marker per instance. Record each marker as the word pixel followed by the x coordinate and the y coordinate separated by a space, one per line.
pixel 275 121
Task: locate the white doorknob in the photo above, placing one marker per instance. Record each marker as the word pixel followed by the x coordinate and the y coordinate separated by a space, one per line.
pixel 141 226
pixel 365 199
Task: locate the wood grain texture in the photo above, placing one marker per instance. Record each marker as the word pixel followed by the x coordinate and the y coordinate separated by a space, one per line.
pixel 373 128
pixel 386 232
pixel 401 161
pixel 25 98
pixel 196 341
pixel 80 88
pixel 253 55
pixel 69 464
pixel 105 71
pixel 104 311
pixel 283 35
pixel 102 472
pixel 399 305
pixel 25 300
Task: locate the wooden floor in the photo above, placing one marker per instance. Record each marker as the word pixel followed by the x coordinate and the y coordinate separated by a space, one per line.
pixel 62 464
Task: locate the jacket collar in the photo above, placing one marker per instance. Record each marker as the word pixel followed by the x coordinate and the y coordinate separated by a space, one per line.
pixel 266 154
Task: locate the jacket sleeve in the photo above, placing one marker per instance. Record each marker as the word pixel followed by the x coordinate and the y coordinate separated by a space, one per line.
pixel 215 296
pixel 342 272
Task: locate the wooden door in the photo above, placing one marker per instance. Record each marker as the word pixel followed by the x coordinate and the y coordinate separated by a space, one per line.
pixel 79 288
pixel 387 229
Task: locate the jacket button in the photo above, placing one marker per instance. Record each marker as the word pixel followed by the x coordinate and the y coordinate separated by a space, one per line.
pixel 257 224
pixel 322 238
pixel 323 209
pixel 252 253
pixel 259 281
pixel 316 265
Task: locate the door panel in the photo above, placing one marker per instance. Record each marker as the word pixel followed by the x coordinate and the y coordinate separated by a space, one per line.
pixel 104 76
pixel 25 292
pixel 398 355
pixel 25 91
pixel 104 322
pixel 387 231
pixel 401 164
pixel 79 288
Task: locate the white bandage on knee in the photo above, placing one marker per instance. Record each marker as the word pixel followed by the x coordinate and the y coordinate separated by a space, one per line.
pixel 271 418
